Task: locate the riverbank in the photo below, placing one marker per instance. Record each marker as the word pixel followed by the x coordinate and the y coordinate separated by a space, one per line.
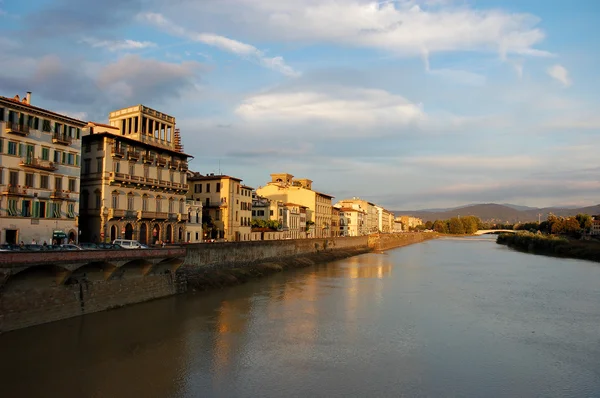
pixel 552 246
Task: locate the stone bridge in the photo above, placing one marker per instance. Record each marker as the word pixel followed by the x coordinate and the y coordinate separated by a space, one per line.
pixel 90 265
pixel 493 231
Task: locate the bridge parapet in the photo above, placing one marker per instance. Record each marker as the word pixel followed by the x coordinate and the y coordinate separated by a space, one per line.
pixel 493 231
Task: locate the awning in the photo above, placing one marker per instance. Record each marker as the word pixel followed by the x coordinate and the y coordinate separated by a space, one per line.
pixel 59 235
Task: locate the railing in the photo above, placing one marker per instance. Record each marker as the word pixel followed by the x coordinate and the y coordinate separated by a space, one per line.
pixel 172 216
pixel 184 165
pixel 182 217
pixel 130 214
pixel 16 128
pixel 174 164
pixel 14 190
pixel 133 154
pixel 62 139
pixel 161 215
pixel 148 158
pixel 58 194
pixel 146 214
pixel 38 163
pixel 117 151
pixel 161 160
pixel 116 213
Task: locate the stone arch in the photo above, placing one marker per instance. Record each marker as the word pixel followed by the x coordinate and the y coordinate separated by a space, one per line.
pixel 169 236
pixel 155 233
pixel 128 231
pixel 143 233
pixel 113 232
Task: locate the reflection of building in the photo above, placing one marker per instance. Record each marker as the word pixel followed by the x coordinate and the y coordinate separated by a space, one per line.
pixel 283 187
pixel 134 178
pixel 371 221
pixel 39 173
pixel 227 204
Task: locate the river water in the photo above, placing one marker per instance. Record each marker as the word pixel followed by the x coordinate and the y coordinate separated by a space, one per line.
pixel 444 318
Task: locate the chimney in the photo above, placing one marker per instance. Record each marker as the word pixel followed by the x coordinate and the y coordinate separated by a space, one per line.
pixel 28 98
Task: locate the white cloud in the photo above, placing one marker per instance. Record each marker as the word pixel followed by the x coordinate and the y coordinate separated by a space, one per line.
pixel 117 45
pixel 243 50
pixel 560 73
pixel 347 106
pixel 403 27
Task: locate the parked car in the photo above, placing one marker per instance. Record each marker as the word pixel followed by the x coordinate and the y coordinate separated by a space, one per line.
pixel 143 246
pixel 89 246
pixel 70 246
pixel 10 247
pixel 127 243
pixel 109 246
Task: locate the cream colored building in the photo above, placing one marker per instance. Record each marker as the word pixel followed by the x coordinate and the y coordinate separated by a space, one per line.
pixel 40 157
pixel 283 187
pixel 372 220
pixel 385 220
pixel 134 178
pixel 227 203
pixel 409 222
pixel 295 221
pixel 353 221
pixel 193 227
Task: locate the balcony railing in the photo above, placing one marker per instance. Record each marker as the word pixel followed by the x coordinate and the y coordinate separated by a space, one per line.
pixel 14 190
pixel 161 160
pixel 116 213
pixel 174 164
pixel 172 216
pixel 58 194
pixel 16 128
pixel 117 151
pixel 182 217
pixel 152 215
pixel 133 154
pixel 148 159
pixel 37 163
pixel 161 215
pixel 61 139
pixel 184 165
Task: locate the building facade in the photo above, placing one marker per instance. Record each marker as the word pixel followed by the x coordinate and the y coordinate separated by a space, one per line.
pixel 193 227
pixel 353 221
pixel 409 222
pixel 283 187
pixel 134 178
pixel 372 220
pixel 40 157
pixel 227 205
pixel 385 219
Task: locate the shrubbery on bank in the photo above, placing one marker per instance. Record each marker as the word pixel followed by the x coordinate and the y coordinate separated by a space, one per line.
pixel 551 245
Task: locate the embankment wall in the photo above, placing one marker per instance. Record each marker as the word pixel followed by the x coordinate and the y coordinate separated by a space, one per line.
pixel 39 294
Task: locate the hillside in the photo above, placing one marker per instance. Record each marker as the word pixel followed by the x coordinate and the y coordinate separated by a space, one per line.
pixel 492 212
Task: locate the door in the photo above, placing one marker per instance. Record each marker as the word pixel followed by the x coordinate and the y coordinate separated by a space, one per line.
pixel 129 231
pixel 11 236
pixel 113 233
pixel 144 234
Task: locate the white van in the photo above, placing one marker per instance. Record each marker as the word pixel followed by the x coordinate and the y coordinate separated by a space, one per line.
pixel 127 244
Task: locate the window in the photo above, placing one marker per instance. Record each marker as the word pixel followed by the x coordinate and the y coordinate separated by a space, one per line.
pixel 198 188
pixel 208 187
pixel 130 202
pixel 29 180
pixel 77 160
pixel 72 185
pixel 218 187
pixel 236 215
pixel 115 200
pixel 46 126
pixel 159 174
pixel 41 212
pixel 218 215
pixel 146 171
pixel 171 207
pixel 253 213
pixel 238 189
pixel 12 148
pixel 30 151
pixel 99 165
pixel 145 203
pixel 181 207
pixel 26 208
pixel 13 178
pixel 58 183
pixel 44 182
pixel 131 170
pixel 116 166
pixel 171 176
pixel 1 145
pixel 12 207
pixel 70 159
pixel 98 200
pixel 86 166
pixel 78 133
pixel 270 212
pixel 71 210
pixel 158 204
pixel 45 153
pixel 57 157
pixel 2 110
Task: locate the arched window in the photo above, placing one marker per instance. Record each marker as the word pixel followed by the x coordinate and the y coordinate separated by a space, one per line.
pixel 130 201
pixel 158 204
pixel 181 206
pixel 115 200
pixel 171 205
pixel 145 202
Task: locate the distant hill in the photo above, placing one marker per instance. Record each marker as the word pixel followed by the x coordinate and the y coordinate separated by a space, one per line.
pixel 492 212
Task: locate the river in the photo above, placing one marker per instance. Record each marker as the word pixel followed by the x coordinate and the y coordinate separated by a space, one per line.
pixel 443 318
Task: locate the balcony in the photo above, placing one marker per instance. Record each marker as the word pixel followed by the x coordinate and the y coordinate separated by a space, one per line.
pixel 152 215
pixel 58 194
pixel 116 213
pixel 37 163
pixel 61 139
pixel 161 215
pixel 12 190
pixel 161 161
pixel 172 216
pixel 184 165
pixel 182 217
pixel 133 154
pixel 215 204
pixel 174 164
pixel 148 159
pixel 16 128
pixel 117 152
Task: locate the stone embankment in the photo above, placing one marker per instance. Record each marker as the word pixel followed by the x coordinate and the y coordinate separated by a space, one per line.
pixel 55 289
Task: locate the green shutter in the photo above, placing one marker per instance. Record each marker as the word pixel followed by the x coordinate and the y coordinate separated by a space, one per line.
pixel 64 158
pixel 77 159
pixel 36 209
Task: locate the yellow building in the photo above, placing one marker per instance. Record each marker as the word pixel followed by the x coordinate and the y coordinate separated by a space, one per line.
pixel 227 204
pixel 39 173
pixel 372 219
pixel 283 187
pixel 335 222
pixel 409 222
pixel 134 178
pixel 353 221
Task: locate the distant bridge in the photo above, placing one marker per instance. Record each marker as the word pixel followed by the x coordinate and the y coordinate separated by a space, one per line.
pixel 493 231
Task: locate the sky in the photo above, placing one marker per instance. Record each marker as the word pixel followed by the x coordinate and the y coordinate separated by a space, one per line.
pixel 410 104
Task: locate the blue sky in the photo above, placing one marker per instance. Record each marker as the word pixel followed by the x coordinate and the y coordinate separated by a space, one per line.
pixel 411 104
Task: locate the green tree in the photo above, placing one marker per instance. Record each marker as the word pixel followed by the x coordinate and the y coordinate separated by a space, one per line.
pixel 585 221
pixel 440 226
pixel 455 226
pixel 428 225
pixel 470 224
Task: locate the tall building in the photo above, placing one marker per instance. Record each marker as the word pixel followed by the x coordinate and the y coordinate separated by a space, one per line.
pixel 385 219
pixel 39 173
pixel 134 178
pixel 283 187
pixel 227 204
pixel 372 220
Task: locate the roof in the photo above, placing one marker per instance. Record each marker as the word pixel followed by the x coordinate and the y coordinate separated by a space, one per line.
pixel 351 209
pixel 14 102
pixel 324 194
pixel 247 187
pixel 213 177
pixel 132 141
pixel 103 125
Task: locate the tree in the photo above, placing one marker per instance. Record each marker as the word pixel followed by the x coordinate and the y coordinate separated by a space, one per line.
pixel 571 226
pixel 428 225
pixel 470 224
pixel 455 226
pixel 585 221
pixel 440 226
